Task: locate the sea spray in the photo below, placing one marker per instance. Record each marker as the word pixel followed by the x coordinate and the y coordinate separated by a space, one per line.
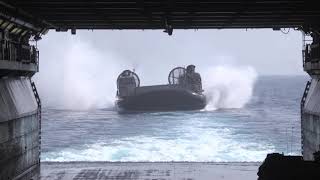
pixel 228 86
pixel 81 78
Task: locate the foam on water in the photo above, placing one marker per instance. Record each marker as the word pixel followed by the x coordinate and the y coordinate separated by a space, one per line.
pixel 197 145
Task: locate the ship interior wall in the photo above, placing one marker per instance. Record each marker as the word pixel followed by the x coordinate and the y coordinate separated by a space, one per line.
pixel 310 124
pixel 19 129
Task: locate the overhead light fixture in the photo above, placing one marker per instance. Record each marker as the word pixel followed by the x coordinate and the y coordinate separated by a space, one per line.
pixel 5 24
pixel 14 30
pixel 73 31
pixel 24 32
pixel 9 26
pixel 18 31
pixel 168 27
pixel 169 30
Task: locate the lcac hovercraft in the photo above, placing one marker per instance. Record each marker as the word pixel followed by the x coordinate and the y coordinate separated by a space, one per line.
pixel 184 92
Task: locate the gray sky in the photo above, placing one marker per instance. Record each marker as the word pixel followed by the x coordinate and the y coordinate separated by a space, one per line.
pixel 268 52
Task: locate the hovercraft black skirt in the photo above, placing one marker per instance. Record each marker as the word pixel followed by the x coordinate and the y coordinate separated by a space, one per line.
pixel 163 100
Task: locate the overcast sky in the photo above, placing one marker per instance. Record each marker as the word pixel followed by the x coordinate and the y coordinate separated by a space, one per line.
pixel 268 52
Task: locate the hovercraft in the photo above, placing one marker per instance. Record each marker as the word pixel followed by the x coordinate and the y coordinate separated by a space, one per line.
pixel 183 92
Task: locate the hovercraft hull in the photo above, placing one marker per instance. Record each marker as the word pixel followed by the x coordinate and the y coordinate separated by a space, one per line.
pixel 162 99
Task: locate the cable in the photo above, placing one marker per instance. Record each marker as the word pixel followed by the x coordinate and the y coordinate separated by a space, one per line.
pixel 284 31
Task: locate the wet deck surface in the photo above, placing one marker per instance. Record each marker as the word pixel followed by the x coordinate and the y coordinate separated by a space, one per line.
pixel 148 170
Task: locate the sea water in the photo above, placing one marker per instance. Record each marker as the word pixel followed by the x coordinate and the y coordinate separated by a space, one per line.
pixel 239 124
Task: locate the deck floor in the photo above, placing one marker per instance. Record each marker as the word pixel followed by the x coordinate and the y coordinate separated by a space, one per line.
pixel 148 170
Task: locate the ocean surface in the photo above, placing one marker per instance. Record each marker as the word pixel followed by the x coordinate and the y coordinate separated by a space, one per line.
pixel 268 122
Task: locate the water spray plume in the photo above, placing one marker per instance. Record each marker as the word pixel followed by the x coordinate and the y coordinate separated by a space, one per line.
pixel 83 78
pixel 228 86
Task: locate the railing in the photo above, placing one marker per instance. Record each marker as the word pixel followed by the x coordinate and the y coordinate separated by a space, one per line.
pixel 311 55
pixel 306 41
pixel 18 51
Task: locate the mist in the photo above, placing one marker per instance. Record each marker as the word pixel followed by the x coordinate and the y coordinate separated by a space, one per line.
pixel 80 72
